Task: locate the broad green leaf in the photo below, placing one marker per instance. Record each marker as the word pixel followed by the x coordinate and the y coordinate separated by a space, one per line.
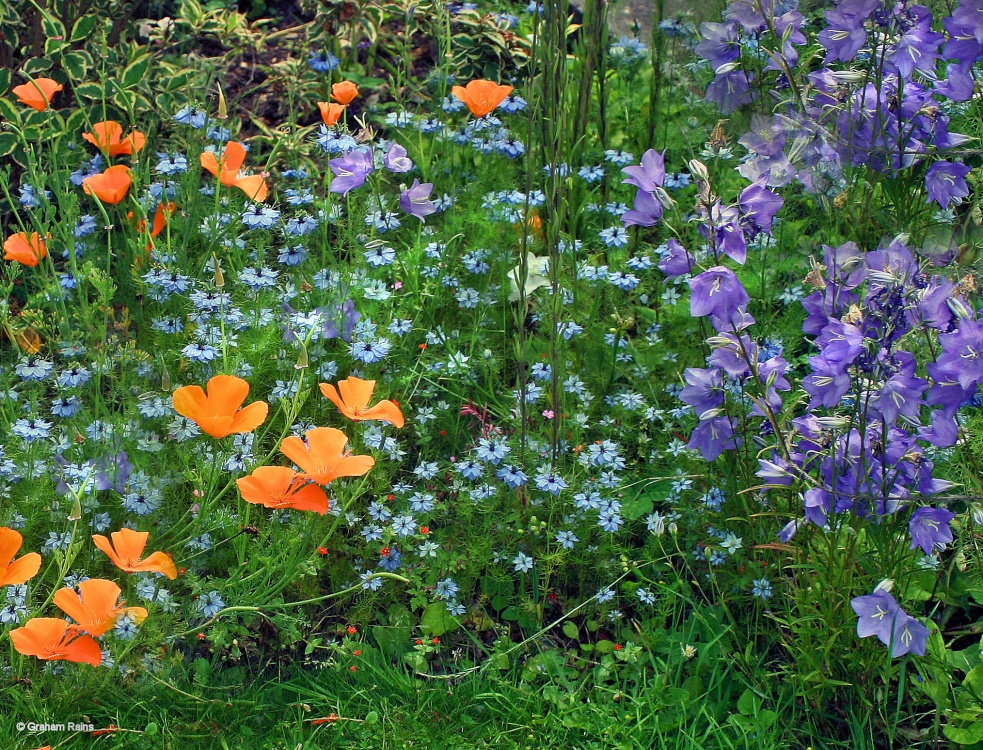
pixel 89 90
pixel 5 76
pixel 9 112
pixel 964 735
pixel 571 631
pixel 83 28
pixel 36 65
pixel 8 142
pixel 75 64
pixel 436 621
pixel 135 71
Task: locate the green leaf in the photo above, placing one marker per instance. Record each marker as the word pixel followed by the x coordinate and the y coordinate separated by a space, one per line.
pixel 8 142
pixel 604 647
pixel 76 121
pixel 749 703
pixel 436 621
pixel 83 28
pixel 36 65
pixel 5 77
pixel 53 28
pixel 74 64
pixel 8 112
pixel 53 47
pixel 964 735
pixel 89 90
pixel 135 71
pixel 974 680
pixel 372 717
pixel 571 631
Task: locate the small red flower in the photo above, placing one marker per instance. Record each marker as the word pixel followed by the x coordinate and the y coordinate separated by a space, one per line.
pixel 322 551
pixel 352 630
pixel 618 647
pixel 435 641
pixel 424 530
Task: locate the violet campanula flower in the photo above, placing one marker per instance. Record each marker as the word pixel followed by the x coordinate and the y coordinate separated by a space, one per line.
pixel 713 436
pixel 717 291
pixel 929 529
pixel 945 181
pixel 650 175
pixel 879 614
pixel 719 45
pixel 730 90
pixel 415 200
pixel 704 389
pixel 758 205
pixel 396 159
pixel 350 171
pixel 676 261
pixel 962 353
pixel 646 213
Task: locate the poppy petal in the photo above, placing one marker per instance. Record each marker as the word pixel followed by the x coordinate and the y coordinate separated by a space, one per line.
pixel 190 401
pixel 356 392
pixel 22 570
pixel 250 417
pixel 254 186
pixel 386 410
pixel 209 162
pixel 226 394
pixel 233 157
pixel 157 562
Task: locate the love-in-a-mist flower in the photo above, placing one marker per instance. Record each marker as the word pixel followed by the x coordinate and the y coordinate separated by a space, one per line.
pixel 217 412
pixel 227 169
pixel 24 249
pixel 481 97
pixel 37 94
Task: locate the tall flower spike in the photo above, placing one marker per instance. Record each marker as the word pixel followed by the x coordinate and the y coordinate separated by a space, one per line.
pixel 52 639
pixel 14 572
pixel 125 551
pixel 218 413
pixel 324 458
pixel 352 399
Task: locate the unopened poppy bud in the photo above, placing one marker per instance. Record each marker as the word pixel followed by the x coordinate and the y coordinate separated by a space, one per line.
pixel 223 109
pixel 76 511
pixel 303 361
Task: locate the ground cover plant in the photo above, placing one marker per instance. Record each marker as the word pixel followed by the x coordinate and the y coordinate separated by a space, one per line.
pixel 452 375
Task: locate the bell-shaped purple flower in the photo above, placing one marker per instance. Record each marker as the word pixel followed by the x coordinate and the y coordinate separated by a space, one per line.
pixel 713 436
pixel 875 615
pixel 650 175
pixel 396 159
pixel 946 181
pixel 929 529
pixel 647 211
pixel 350 171
pixel 415 200
pixel 676 260
pixel 717 291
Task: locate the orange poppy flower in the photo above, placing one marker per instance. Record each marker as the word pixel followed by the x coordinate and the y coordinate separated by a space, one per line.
pixel 481 96
pixel 13 572
pixel 110 186
pixel 28 251
pixel 95 608
pixel 125 551
pixel 37 94
pixel 108 137
pixel 324 458
pixel 218 413
pixel 52 639
pixel 344 92
pixel 354 398
pixel 280 487
pixel 330 112
pixel 254 186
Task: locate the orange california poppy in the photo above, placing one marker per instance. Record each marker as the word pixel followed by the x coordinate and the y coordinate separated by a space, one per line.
pixel 330 112
pixel 354 398
pixel 28 251
pixel 108 137
pixel 95 608
pixel 481 96
pixel 218 413
pixel 324 458
pixel 279 487
pixel 110 186
pixel 37 94
pixel 51 639
pixel 13 572
pixel 254 186
pixel 343 92
pixel 126 549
